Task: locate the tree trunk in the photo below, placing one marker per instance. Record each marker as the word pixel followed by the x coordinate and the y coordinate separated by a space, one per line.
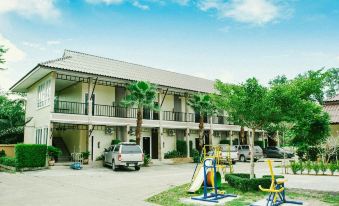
pixel 252 152
pixel 139 125
pixel 242 135
pixel 201 132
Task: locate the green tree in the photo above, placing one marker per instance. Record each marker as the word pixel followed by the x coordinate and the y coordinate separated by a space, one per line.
pixel 142 95
pixel 3 50
pixel 12 119
pixel 203 105
pixel 248 103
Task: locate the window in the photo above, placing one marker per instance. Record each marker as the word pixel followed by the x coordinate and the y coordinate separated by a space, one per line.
pixel 41 135
pixel 44 91
pixel 116 149
pixel 131 149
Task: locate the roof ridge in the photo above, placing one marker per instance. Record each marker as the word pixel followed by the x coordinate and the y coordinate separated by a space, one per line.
pixel 148 67
pixel 55 60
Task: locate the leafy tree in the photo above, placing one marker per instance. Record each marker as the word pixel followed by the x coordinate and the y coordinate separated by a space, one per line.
pixel 142 95
pixel 248 103
pixel 3 50
pixel 11 119
pixel 203 105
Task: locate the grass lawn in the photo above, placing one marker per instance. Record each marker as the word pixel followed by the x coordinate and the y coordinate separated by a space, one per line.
pixel 172 196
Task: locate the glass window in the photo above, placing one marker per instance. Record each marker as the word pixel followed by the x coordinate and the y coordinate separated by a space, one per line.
pixel 130 149
pixel 116 148
pixel 44 91
pixel 41 135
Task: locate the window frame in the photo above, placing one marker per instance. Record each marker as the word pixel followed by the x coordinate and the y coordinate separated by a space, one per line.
pixel 44 94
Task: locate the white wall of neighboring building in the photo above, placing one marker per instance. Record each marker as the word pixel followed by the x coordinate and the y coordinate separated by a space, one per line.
pixel 101 140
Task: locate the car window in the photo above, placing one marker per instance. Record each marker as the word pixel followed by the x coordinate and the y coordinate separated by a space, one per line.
pixel 130 149
pixel 245 147
pixel 111 148
pixel 116 149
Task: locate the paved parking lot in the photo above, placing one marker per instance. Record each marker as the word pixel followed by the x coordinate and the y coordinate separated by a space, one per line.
pixel 101 186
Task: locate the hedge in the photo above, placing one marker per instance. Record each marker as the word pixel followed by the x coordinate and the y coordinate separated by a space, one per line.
pixel 182 147
pixel 8 161
pixel 30 155
pixel 243 182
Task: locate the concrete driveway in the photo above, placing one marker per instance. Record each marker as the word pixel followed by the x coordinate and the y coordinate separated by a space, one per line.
pixel 102 186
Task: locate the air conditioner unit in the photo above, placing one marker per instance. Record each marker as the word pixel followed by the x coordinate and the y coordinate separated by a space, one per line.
pixel 109 130
pixel 171 132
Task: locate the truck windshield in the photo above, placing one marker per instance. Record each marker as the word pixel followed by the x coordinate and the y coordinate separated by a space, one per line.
pixel 130 149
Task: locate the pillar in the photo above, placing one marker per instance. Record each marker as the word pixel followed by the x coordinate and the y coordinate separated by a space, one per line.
pixel 263 139
pixel 210 136
pixel 160 131
pixel 126 133
pixel 231 138
pixel 278 139
pixel 187 135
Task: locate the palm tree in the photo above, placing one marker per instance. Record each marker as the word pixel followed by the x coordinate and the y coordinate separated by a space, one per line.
pixel 142 95
pixel 203 105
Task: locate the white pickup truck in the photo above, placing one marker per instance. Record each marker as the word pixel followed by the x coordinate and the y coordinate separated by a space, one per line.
pixel 124 155
pixel 224 153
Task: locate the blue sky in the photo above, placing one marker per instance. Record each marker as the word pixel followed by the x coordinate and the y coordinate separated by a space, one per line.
pixel 230 40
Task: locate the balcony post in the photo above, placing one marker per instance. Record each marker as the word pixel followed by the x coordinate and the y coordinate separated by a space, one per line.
pixel 126 136
pixel 160 131
pixel 52 92
pixel 89 99
pixel 187 134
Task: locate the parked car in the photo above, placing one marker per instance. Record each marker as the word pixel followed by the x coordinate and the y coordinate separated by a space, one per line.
pixel 243 152
pixel 277 152
pixel 124 155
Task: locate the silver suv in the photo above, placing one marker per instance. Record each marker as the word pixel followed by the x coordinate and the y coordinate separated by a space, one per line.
pixel 124 155
pixel 244 152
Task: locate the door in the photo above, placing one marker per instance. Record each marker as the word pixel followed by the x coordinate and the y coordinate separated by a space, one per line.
pixel 155 143
pixel 177 108
pixel 146 145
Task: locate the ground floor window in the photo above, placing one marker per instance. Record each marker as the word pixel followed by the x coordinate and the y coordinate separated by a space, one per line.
pixel 41 135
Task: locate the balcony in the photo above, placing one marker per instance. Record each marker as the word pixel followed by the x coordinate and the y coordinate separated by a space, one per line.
pixel 67 107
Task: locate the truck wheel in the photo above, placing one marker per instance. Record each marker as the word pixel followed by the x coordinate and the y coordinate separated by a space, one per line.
pixel 137 168
pixel 242 158
pixel 114 167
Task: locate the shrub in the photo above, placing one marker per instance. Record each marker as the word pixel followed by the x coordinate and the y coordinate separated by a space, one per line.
pixel 332 167
pixel 308 166
pixel 316 167
pixel 147 160
pixel 301 167
pixel 182 147
pixel 85 155
pixel 115 141
pixel 295 167
pixel 30 155
pixel 275 176
pixel 8 161
pixel 53 152
pixel 312 153
pixel 101 157
pixel 2 153
pixel 196 156
pixel 243 182
pixel 323 167
pixel 172 154
pixel 224 141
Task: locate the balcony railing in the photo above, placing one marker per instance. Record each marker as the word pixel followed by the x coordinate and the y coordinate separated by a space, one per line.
pixel 67 107
pixel 178 116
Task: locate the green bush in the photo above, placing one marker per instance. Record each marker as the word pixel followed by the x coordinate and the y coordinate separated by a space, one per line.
pixel 275 176
pixel 53 152
pixel 295 167
pixel 308 166
pixel 332 167
pixel 323 167
pixel 243 182
pixel 8 161
pixel 301 167
pixel 312 153
pixel 195 156
pixel 30 155
pixel 2 153
pixel 115 141
pixel 301 152
pixel 147 160
pixel 173 154
pixel 224 141
pixel 316 167
pixel 182 147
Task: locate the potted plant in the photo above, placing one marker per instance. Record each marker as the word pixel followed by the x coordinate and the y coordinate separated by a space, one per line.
pixel 53 153
pixel 85 156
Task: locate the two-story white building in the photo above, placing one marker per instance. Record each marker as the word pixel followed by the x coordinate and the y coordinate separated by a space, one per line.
pixel 74 103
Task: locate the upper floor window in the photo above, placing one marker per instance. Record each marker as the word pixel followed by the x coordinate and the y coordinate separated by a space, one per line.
pixel 44 91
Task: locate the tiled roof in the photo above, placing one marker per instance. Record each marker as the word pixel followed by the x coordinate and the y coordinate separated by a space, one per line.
pixel 333 99
pixel 86 63
pixel 333 111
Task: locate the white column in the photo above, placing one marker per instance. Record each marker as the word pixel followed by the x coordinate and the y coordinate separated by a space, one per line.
pixel 210 136
pixel 187 134
pixel 160 131
pixel 278 139
pixel 126 136
pixel 263 139
pixel 52 97
pixel 231 138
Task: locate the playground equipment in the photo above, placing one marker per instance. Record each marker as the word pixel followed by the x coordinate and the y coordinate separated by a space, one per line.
pixel 276 190
pixel 210 152
pixel 77 161
pixel 210 165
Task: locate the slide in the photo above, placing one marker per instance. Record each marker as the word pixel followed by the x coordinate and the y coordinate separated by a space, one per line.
pixel 198 178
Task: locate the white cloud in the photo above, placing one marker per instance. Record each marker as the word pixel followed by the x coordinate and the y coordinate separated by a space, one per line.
pixel 14 54
pixel 43 8
pixel 257 12
pixel 181 2
pixel 53 42
pixel 140 6
pixel 33 45
pixel 108 2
